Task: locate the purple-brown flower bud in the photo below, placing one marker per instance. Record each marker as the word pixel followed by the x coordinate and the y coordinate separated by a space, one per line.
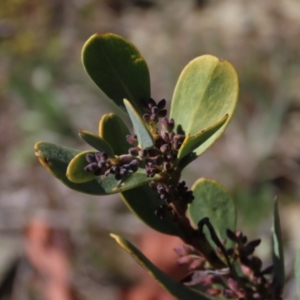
pixel 90 158
pixel 161 104
pixel 165 148
pixel 162 113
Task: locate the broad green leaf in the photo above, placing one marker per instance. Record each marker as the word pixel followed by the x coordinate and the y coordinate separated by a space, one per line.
pixel 176 289
pixel 143 134
pixel 143 201
pixel 113 130
pixel 56 160
pixel 96 142
pixel 193 142
pixel 117 68
pixel 75 171
pixel 297 272
pixel 213 201
pixel 206 91
pixel 278 257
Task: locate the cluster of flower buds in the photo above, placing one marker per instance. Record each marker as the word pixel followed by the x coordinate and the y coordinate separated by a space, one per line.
pixel 100 164
pixel 254 284
pixel 154 110
pixel 173 193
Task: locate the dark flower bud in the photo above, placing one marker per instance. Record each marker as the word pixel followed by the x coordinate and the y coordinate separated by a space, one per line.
pixel 159 160
pixel 98 156
pixel 248 249
pixel 133 151
pixel 101 164
pixel 125 159
pixel 179 137
pixel 104 156
pixel 134 165
pixel 151 103
pixel 143 153
pixel 146 117
pixel 131 139
pixel 167 125
pixel 123 171
pixel 231 235
pixel 165 148
pixel 91 167
pixel 162 113
pixel 171 135
pixel 153 152
pixel 154 110
pixel 90 158
pixel 161 104
pixel 165 137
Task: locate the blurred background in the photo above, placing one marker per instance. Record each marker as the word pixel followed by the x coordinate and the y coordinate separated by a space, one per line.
pixel 54 242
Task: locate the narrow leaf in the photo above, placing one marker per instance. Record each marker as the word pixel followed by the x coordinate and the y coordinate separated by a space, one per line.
pixel 117 68
pixel 56 160
pixel 143 201
pixel 278 257
pixel 113 130
pixel 297 272
pixel 96 142
pixel 213 201
pixel 193 142
pixel 176 289
pixel 206 91
pixel 143 134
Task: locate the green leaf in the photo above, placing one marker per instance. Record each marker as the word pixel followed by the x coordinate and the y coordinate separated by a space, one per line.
pixel 143 134
pixel 143 201
pixel 213 201
pixel 278 257
pixel 113 130
pixel 206 91
pixel 176 289
pixel 117 68
pixel 97 142
pixel 193 142
pixel 75 171
pixel 297 272
pixel 56 160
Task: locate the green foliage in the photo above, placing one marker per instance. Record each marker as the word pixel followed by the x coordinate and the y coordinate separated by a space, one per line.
pixel 213 201
pixel 112 123
pixel 143 201
pixel 97 142
pixel 144 136
pixel 206 91
pixel 118 68
pixel 278 257
pixel 56 160
pixel 147 173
